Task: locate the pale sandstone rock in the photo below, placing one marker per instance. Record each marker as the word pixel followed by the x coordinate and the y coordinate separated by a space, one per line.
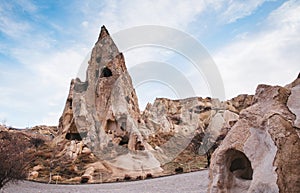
pixel 74 180
pixel 33 175
pixel 57 178
pixel 87 177
pixel 261 153
pixel 183 119
pixel 86 150
pixel 37 168
pixel 294 104
pixel 102 111
pixel 102 118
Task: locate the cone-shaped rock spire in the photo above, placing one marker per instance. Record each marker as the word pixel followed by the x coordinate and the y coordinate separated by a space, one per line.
pixel 103 33
pixel 102 112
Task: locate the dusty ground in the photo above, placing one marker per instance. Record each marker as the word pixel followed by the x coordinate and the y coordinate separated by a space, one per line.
pixel 183 183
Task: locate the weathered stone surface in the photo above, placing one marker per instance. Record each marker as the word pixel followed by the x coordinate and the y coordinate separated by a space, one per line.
pixel 293 101
pixel 261 153
pixel 102 112
pixel 33 175
pixel 88 175
pixel 103 136
pixel 183 120
pixel 57 178
pixel 37 168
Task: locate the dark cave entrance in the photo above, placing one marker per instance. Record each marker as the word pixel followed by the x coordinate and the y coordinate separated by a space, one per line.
pixel 106 72
pixel 76 136
pixel 239 164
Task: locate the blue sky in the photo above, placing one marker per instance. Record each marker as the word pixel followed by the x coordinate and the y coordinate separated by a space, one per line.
pixel 43 43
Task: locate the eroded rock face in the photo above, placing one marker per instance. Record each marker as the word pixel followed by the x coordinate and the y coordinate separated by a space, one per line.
pixel 185 120
pixel 102 114
pixel 102 118
pixel 261 153
pixel 103 136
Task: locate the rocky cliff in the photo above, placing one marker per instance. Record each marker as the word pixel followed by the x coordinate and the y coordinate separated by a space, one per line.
pixel 261 153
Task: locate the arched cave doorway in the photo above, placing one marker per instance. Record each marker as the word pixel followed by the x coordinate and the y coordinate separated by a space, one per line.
pixel 238 164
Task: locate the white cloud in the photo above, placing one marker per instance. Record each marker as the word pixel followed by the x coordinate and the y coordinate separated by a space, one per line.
pixel 234 10
pixel 85 24
pixel 10 24
pixel 41 87
pixel 121 14
pixel 270 56
pixel 11 27
pixel 286 16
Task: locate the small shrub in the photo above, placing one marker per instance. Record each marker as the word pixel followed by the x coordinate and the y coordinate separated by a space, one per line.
pixel 37 142
pixel 13 158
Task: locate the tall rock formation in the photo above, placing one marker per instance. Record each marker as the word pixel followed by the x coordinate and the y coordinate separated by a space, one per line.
pixel 102 118
pixel 102 112
pixel 261 153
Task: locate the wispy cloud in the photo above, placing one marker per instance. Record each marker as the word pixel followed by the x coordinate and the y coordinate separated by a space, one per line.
pixel 268 56
pixel 43 45
pixel 9 25
pixel 234 10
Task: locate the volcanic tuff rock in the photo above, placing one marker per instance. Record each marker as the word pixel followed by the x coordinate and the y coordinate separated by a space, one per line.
pixel 103 112
pixel 102 124
pixel 103 137
pixel 261 152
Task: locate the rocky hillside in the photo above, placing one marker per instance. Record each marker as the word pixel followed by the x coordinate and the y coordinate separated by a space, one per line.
pixel 102 135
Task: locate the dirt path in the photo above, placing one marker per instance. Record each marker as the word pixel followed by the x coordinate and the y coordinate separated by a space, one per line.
pixel 190 182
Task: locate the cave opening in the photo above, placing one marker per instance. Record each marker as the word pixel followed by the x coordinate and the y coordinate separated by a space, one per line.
pixel 124 141
pixel 239 164
pixel 70 101
pixel 139 146
pixel 106 72
pixel 76 136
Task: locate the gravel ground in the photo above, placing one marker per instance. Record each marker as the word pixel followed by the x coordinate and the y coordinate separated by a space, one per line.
pixel 183 183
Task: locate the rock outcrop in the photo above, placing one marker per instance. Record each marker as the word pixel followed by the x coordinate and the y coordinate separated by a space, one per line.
pixel 102 124
pixel 261 153
pixel 102 114
pixel 103 137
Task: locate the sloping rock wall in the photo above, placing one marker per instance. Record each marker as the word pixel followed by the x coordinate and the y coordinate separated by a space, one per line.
pixel 261 153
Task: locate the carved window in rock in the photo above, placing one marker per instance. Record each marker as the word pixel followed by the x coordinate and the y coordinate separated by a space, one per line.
pixel 139 146
pixel 106 72
pixel 70 102
pixel 124 140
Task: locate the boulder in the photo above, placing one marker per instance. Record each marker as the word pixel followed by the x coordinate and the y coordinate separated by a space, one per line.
pixel 33 175
pixel 57 178
pixel 37 168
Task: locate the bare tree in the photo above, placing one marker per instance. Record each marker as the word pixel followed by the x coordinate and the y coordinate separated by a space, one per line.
pixel 13 158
